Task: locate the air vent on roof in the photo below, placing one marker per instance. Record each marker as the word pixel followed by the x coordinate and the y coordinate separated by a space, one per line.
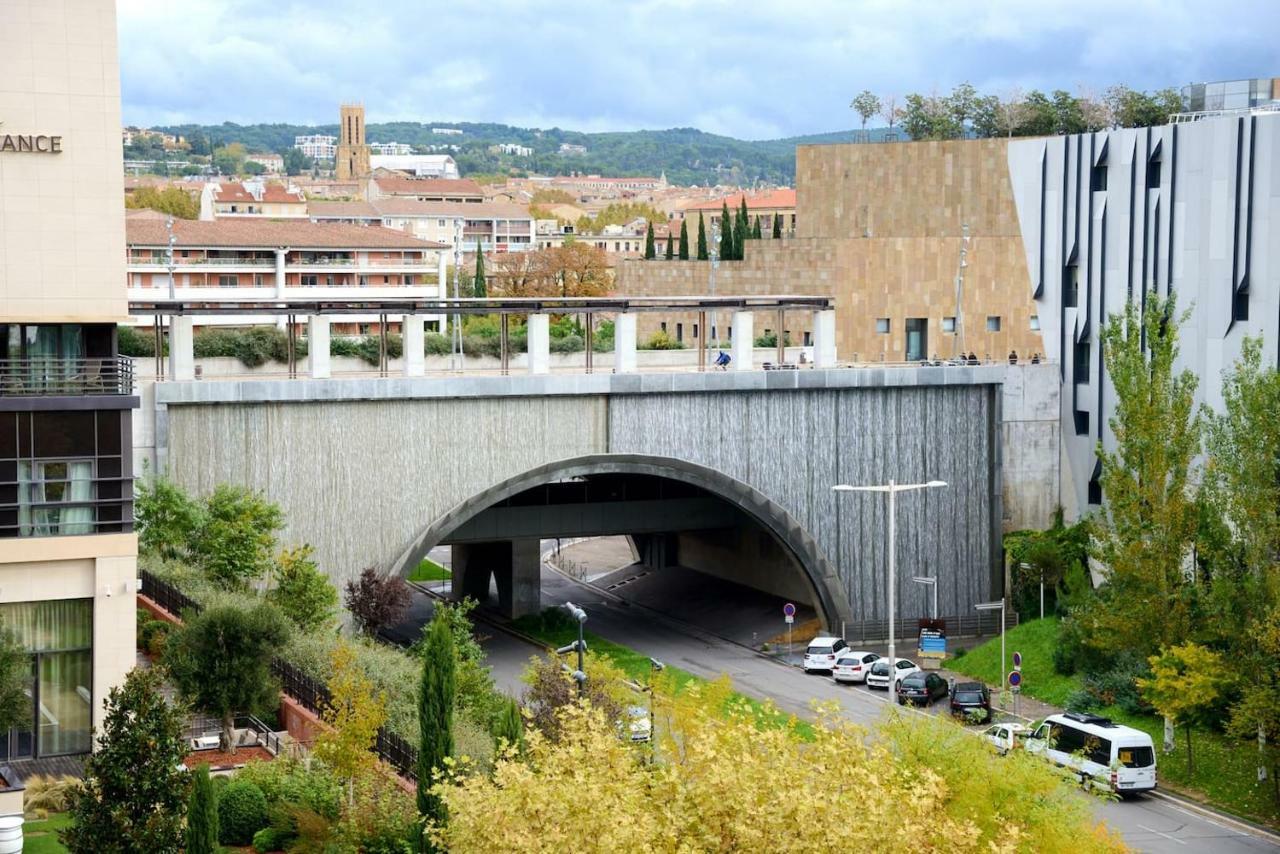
pixel 1087 718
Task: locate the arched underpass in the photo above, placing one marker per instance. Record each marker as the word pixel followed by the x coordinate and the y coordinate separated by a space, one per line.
pixel 677 513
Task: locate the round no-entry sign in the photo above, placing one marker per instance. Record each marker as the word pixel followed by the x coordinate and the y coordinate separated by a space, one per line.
pixel 788 610
pixel 1015 678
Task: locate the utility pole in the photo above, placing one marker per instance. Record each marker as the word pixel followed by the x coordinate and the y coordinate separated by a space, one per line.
pixel 455 342
pixel 964 262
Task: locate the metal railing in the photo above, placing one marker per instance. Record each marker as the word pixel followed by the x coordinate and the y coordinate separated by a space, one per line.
pixel 191 262
pixel 203 726
pixel 311 693
pixel 44 377
pixel 978 624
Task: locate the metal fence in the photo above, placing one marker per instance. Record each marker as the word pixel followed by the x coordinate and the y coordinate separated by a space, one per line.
pixel 310 693
pixel 44 377
pixel 979 624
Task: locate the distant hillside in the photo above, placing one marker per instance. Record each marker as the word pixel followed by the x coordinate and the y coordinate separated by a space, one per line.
pixel 686 155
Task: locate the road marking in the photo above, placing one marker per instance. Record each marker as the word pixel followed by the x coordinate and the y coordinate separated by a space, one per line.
pixel 1162 833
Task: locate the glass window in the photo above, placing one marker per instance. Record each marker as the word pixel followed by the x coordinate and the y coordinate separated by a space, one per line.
pixel 59 634
pixel 917 339
pixel 226 281
pixel 55 497
pixel 1035 323
pixel 948 324
pixel 1082 354
pixel 1136 757
pixel 882 325
pixel 993 323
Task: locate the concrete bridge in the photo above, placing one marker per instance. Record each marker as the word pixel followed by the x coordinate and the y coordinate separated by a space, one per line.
pixel 730 473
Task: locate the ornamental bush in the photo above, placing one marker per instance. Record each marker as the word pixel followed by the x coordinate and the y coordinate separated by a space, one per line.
pixel 242 812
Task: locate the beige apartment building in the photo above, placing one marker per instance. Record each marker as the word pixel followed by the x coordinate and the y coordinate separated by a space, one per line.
pixel 68 562
pixel 882 227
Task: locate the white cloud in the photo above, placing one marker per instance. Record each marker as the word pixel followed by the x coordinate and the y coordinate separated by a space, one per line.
pixel 744 69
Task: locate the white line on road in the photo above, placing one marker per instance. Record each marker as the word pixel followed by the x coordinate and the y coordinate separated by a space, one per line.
pixel 1162 833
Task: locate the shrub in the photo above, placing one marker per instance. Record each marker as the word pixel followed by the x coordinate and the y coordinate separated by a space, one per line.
pixel 289 781
pixel 661 341
pixel 168 518
pixel 437 344
pixel 1118 684
pixel 1082 701
pixel 548 621
pixel 135 342
pixel 242 812
pixel 202 815
pixel 302 592
pixel 237 535
pixel 376 601
pixel 959 652
pixel 271 839
pixel 567 344
pixel 771 340
pixel 50 794
pixel 475 346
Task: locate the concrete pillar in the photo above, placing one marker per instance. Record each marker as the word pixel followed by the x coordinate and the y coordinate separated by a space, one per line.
pixel 318 346
pixel 182 362
pixel 520 581
pixel 744 340
pixel 471 571
pixel 824 339
pixel 539 343
pixel 624 344
pixel 415 360
pixel 440 274
pixel 280 279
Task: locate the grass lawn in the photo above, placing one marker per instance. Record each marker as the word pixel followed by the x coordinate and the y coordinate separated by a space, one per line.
pixel 1224 774
pixel 636 666
pixel 41 837
pixel 429 570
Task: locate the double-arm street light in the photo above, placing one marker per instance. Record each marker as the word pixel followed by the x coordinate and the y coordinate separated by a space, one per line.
pixel 931 582
pixel 892 489
pixel 998 606
pixel 579 646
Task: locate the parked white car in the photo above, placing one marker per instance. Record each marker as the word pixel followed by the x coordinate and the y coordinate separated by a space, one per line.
pixel 638 726
pixel 853 666
pixel 822 653
pixel 1104 754
pixel 879 675
pixel 1006 737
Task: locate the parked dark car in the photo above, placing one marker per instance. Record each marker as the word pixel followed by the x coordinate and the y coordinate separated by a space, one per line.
pixel 971 699
pixel 921 688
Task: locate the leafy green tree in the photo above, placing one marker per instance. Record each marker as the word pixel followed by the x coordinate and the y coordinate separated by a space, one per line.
pixel 1186 685
pixel 202 814
pixel 702 239
pixel 755 229
pixel 684 238
pixel 221 662
pixel 15 682
pixel 134 796
pixel 302 592
pixel 376 601
pixel 174 201
pixel 744 219
pixel 237 536
pixel 1257 713
pixel 777 226
pixel 671 246
pixel 866 105
pixel 295 162
pixel 726 233
pixel 168 518
pixel 479 287
pixel 354 713
pixel 435 717
pixel 510 725
pixel 1040 118
pixel 649 252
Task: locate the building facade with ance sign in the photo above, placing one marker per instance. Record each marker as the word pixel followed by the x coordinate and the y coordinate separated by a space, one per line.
pixel 68 554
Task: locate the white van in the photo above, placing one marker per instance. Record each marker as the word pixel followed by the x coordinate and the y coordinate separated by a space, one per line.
pixel 1119 758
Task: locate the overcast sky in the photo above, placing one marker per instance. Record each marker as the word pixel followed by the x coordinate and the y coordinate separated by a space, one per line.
pixel 754 70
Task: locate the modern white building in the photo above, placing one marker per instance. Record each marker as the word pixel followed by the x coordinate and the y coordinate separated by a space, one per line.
pixel 317 146
pixel 390 148
pixel 422 165
pixel 1192 209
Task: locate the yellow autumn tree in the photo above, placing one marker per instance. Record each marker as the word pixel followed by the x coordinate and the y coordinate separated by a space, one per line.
pixel 724 780
pixel 353 714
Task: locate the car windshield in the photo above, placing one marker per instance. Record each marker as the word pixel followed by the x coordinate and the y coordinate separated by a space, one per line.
pixel 880 668
pixel 1136 757
pixel 968 697
pixel 904 664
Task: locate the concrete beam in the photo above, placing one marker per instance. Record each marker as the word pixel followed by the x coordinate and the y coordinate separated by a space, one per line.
pixel 539 343
pixel 182 361
pixel 318 346
pixel 415 359
pixel 596 519
pixel 516 566
pixel 624 344
pixel 744 340
pixel 824 339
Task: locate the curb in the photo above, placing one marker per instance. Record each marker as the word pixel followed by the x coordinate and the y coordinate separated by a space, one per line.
pixel 1232 821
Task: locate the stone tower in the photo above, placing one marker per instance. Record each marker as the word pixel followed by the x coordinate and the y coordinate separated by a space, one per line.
pixel 352 158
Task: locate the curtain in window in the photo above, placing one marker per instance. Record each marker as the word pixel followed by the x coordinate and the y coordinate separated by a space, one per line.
pixel 54 482
pixel 25 479
pixel 66 703
pixel 60 624
pixel 78 520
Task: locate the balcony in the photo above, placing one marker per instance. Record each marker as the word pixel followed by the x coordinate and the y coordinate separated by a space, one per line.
pixel 144 261
pixel 55 377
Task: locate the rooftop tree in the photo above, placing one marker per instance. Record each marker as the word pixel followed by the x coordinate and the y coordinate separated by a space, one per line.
pixel 702 238
pixel 684 240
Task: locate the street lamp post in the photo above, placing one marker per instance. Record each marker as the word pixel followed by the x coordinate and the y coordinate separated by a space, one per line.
pixel 713 251
pixel 931 582
pixel 892 489
pixel 580 646
pixel 992 606
pixel 655 667
pixel 173 352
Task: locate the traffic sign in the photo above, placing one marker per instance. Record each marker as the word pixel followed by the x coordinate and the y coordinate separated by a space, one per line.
pixel 1017 661
pixel 1015 678
pixel 788 610
pixel 789 619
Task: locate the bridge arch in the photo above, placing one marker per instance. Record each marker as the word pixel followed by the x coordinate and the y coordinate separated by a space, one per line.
pixel 829 596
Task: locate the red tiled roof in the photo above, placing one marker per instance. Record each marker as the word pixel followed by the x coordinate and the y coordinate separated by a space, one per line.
pixel 415 207
pixel 273 193
pixel 263 233
pixel 783 198
pixel 394 185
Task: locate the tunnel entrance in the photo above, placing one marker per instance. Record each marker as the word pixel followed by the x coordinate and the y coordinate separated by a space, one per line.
pixel 675 513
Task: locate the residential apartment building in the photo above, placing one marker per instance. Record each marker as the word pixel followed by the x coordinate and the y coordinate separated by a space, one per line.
pixel 390 148
pixel 267 160
pixel 495 227
pixel 271 260
pixel 777 204
pixel 68 552
pixel 318 146
pixel 386 184
pixel 251 199
pixel 421 165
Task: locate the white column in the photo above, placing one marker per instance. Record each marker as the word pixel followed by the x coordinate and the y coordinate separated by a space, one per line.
pixel 824 339
pixel 318 346
pixel 280 253
pixel 539 343
pixel 744 340
pixel 182 362
pixel 441 274
pixel 415 360
pixel 624 344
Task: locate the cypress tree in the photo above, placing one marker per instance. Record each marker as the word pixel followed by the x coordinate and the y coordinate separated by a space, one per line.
pixel 702 238
pixel 684 238
pixel 745 214
pixel 480 288
pixel 739 238
pixel 726 234
pixel 436 697
pixel 649 252
pixel 671 245
pixel 510 725
pixel 755 230
pixel 777 226
pixel 202 814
